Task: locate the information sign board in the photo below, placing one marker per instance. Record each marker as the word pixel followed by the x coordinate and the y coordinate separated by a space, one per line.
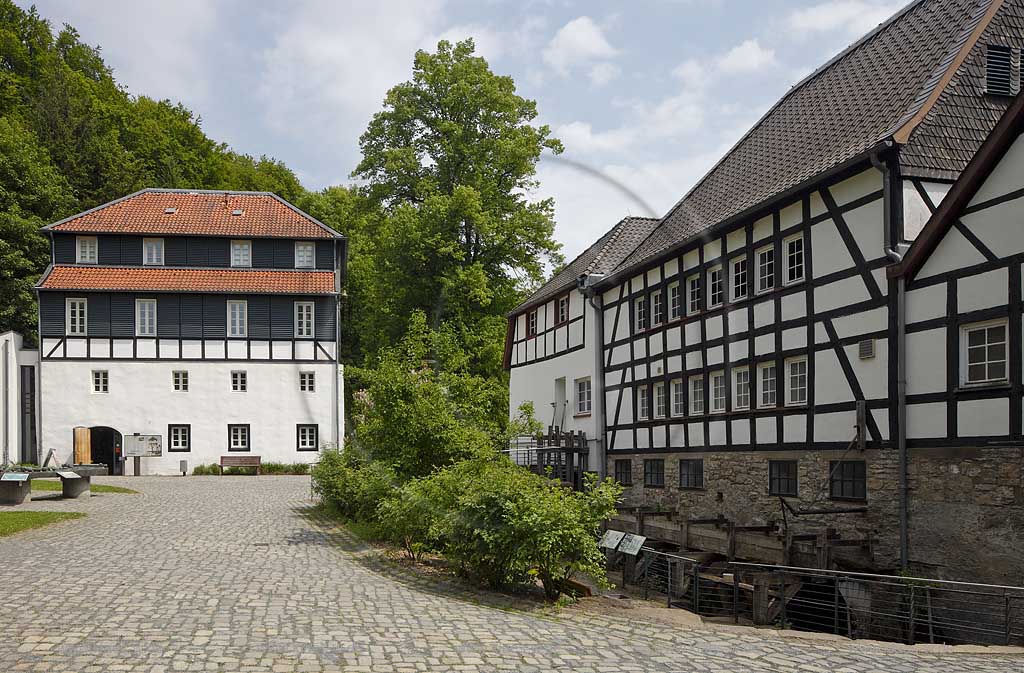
pixel 631 544
pixel 68 474
pixel 143 445
pixel 14 476
pixel 611 539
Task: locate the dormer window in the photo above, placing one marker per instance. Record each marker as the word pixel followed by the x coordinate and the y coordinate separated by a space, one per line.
pixel 241 253
pixel 999 70
pixel 153 251
pixel 304 255
pixel 87 249
pixel 170 211
pixel 237 212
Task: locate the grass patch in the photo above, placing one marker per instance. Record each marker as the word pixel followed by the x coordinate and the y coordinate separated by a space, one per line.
pixel 54 485
pixel 14 522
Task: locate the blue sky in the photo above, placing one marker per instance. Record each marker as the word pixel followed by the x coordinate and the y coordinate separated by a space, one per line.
pixel 649 93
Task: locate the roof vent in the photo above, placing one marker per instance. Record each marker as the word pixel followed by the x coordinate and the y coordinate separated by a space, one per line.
pixel 999 70
pixel 170 211
pixel 237 211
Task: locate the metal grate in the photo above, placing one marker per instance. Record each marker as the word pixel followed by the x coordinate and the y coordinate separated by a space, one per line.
pixel 866 349
pixel 999 70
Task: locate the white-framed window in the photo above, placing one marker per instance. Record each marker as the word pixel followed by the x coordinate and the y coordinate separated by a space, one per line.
pixel 145 317
pixel 678 398
pixel 660 401
pixel 179 438
pixel 305 255
pixel 307 382
pixel 741 388
pixel 983 355
pixel 796 381
pixel 86 250
pixel 693 295
pixel 765 269
pixel 768 386
pixel 717 391
pixel 696 394
pixel 238 319
pixel 657 309
pixel 241 253
pixel 303 320
pixel 531 323
pixel 306 436
pixel 794 249
pixel 100 381
pixel 643 403
pixel 238 437
pixel 675 302
pixel 563 309
pixel 739 278
pixel 153 251
pixel 716 287
pixel 179 380
pixel 583 396
pixel 239 381
pixel 642 321
pixel 75 310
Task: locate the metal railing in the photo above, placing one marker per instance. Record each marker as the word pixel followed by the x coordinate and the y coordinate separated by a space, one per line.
pixel 858 605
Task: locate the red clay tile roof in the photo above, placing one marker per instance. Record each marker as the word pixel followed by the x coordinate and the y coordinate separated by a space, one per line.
pixel 187 280
pixel 198 213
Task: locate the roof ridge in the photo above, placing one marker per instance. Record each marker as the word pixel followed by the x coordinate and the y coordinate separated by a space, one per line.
pixel 616 232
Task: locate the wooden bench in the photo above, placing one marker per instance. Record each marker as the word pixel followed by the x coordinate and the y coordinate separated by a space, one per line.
pixel 239 461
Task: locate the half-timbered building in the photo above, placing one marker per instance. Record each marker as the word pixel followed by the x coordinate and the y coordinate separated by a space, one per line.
pixel 750 368
pixel 207 318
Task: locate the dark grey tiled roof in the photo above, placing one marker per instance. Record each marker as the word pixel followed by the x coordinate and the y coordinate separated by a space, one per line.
pixel 842 110
pixel 602 257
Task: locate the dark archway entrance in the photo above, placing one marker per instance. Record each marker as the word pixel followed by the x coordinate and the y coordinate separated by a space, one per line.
pixel 106 448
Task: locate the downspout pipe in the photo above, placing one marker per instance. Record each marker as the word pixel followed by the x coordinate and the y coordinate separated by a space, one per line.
pixel 7 404
pixel 894 252
pixel 585 286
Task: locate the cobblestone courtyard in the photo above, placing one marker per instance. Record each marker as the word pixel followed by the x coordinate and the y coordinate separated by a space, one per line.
pixel 226 574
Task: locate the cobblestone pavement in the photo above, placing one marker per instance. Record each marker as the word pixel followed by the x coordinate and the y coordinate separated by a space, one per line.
pixel 227 574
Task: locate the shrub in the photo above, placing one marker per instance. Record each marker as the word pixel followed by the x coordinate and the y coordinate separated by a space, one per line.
pixel 265 468
pixel 351 486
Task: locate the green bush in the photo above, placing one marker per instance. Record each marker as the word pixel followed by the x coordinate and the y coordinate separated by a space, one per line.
pixel 351 486
pixel 265 468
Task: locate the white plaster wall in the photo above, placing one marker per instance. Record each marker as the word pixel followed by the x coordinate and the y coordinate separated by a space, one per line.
pixel 916 212
pixel 141 400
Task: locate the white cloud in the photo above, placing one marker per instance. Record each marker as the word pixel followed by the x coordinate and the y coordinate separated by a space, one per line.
pixel 692 74
pixel 748 56
pixel 577 43
pixel 579 137
pixel 602 73
pixel 851 17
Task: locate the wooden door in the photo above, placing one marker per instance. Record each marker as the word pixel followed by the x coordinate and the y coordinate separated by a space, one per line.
pixel 83 446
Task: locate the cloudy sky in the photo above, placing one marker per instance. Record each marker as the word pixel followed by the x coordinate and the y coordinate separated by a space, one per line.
pixel 648 93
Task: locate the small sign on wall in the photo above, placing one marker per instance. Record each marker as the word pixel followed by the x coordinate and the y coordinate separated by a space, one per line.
pixel 143 445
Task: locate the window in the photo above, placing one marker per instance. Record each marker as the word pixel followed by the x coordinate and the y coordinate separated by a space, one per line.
pixel 239 382
pixel 693 295
pixel 717 392
pixel 848 480
pixel 305 256
pixel 531 324
pixel 238 437
pixel 307 382
pixel 983 353
pixel 765 269
pixel 624 472
pixel 241 253
pixel 100 381
pixel 303 320
pixel 153 251
pixel 563 309
pixel 307 437
pixel 179 380
pixel 999 70
pixel 675 302
pixel 782 477
pixel 678 398
pixel 715 287
pixel 796 373
pixel 237 318
pixel 741 388
pixel 145 317
pixel 657 308
pixel 179 437
pixel 86 250
pixel 654 473
pixel 583 396
pixel 76 313
pixel 643 403
pixel 696 394
pixel 794 260
pixel 768 385
pixel 660 401
pixel 691 473
pixel 641 314
pixel 739 278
